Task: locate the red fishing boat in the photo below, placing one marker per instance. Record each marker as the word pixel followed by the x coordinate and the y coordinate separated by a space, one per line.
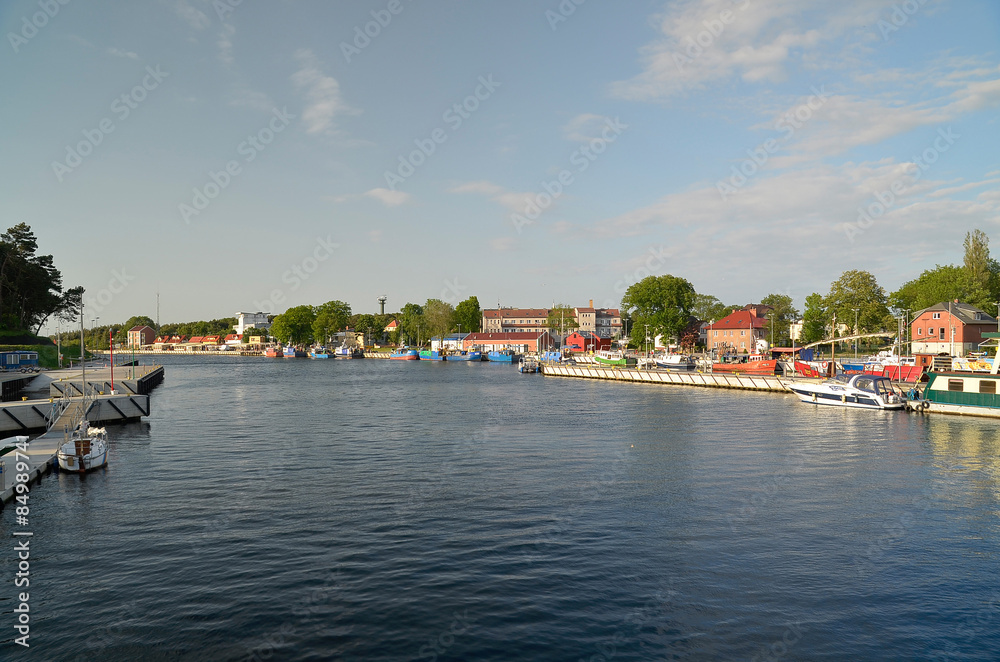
pixel 754 367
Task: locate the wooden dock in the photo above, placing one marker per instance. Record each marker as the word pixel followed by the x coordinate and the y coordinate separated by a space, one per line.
pixel 767 383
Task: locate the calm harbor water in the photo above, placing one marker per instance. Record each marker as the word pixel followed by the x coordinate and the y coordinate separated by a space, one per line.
pixel 375 510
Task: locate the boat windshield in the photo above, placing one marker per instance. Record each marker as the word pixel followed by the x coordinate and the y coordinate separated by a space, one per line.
pixel 883 387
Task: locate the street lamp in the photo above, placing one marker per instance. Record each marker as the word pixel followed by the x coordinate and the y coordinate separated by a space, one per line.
pixel 855 333
pixel 645 341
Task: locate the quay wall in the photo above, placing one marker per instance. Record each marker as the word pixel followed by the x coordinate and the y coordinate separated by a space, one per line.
pixel 33 415
pixel 688 378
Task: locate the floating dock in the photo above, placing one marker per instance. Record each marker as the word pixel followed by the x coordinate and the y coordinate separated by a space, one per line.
pixel 653 376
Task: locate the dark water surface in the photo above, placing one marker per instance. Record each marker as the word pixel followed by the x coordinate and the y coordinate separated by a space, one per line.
pixel 375 510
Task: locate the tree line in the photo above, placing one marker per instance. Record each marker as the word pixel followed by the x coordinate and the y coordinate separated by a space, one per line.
pixel 669 305
pixel 416 323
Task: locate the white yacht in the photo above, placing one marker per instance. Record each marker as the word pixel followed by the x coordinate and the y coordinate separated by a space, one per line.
pixel 861 391
pixel 86 448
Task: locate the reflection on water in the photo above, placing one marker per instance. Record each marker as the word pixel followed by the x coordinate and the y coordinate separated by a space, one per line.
pixel 304 510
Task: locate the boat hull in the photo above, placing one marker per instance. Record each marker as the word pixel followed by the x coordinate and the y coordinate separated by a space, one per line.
pixel 768 367
pixel 409 355
pixel 430 355
pixel 95 458
pixel 963 393
pixel 844 400
pixel 504 357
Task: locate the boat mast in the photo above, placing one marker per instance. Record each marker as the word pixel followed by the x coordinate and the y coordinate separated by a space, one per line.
pixel 83 358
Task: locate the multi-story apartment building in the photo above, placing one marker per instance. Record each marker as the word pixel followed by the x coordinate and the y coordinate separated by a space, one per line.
pixel 605 322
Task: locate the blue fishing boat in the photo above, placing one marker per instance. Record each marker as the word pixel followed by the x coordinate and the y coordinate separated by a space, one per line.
pixel 504 356
pixel 290 352
pixel 404 354
pixel 319 353
pixel 432 355
pixel 472 355
pixel 345 352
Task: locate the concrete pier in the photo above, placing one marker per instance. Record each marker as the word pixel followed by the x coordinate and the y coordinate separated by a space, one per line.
pixel 29 416
pixel 681 378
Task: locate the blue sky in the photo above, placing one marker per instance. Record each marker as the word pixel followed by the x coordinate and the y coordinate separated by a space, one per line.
pixel 524 152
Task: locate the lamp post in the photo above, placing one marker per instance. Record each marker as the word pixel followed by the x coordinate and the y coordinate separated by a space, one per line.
pixel 645 342
pixel 855 333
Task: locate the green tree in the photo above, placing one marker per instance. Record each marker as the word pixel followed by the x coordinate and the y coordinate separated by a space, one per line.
pixel 295 325
pixel 30 285
pixel 708 308
pixel 469 315
pixel 942 283
pixel 330 318
pixel 780 318
pixel 813 319
pixel 411 319
pixel 368 326
pixel 562 319
pixel 662 302
pixel 981 271
pixel 439 317
pixel 858 290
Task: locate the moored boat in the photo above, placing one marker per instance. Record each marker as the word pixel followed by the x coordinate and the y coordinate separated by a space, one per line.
pixel 614 358
pixel 319 353
pixel 752 367
pixel 860 391
pixel 471 355
pixel 405 354
pixel 85 449
pixel 528 365
pixel 675 361
pixel 345 352
pixel 290 352
pixel 504 356
pixel 432 355
pixel 273 352
pixel 955 392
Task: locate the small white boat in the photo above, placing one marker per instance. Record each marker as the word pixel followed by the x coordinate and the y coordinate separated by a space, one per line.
pixel 86 448
pixel 860 391
pixel 676 361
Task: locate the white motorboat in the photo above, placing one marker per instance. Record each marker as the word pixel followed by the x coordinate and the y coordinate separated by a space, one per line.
pixel 676 361
pixel 86 448
pixel 860 391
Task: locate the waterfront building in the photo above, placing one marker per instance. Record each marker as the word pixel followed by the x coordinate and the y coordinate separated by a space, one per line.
pixel 739 330
pixel 251 321
pixel 605 322
pixel 527 341
pixel 450 341
pixel 951 328
pixel 585 341
pixel 140 336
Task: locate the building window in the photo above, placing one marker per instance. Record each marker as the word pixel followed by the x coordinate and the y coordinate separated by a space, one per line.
pixel 987 386
pixel 743 345
pixel 920 332
pixel 936 316
pixel 743 333
pixel 715 334
pixel 956 385
pixel 941 334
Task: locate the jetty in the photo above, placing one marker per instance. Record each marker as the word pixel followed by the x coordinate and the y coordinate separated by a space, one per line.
pixel 768 383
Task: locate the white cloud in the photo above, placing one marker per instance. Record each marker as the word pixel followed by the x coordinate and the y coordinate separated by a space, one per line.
pixel 388 197
pixel 117 52
pixel 323 98
pixel 225 44
pixel 194 17
pixel 703 42
pixel 585 127
pixel 510 200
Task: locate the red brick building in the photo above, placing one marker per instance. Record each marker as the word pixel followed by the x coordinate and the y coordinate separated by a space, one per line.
pixel 737 331
pixel 586 341
pixel 140 336
pixel 950 328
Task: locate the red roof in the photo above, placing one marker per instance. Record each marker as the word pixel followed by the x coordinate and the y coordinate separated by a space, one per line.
pixel 233 336
pixel 210 339
pixel 739 319
pixel 392 325
pixel 196 339
pixel 140 328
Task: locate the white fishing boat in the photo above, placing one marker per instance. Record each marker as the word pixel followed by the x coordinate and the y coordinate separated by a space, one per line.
pixel 86 448
pixel 675 361
pixel 860 391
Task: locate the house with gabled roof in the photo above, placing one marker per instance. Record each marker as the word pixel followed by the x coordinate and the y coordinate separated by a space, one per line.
pixel 738 331
pixel 950 327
